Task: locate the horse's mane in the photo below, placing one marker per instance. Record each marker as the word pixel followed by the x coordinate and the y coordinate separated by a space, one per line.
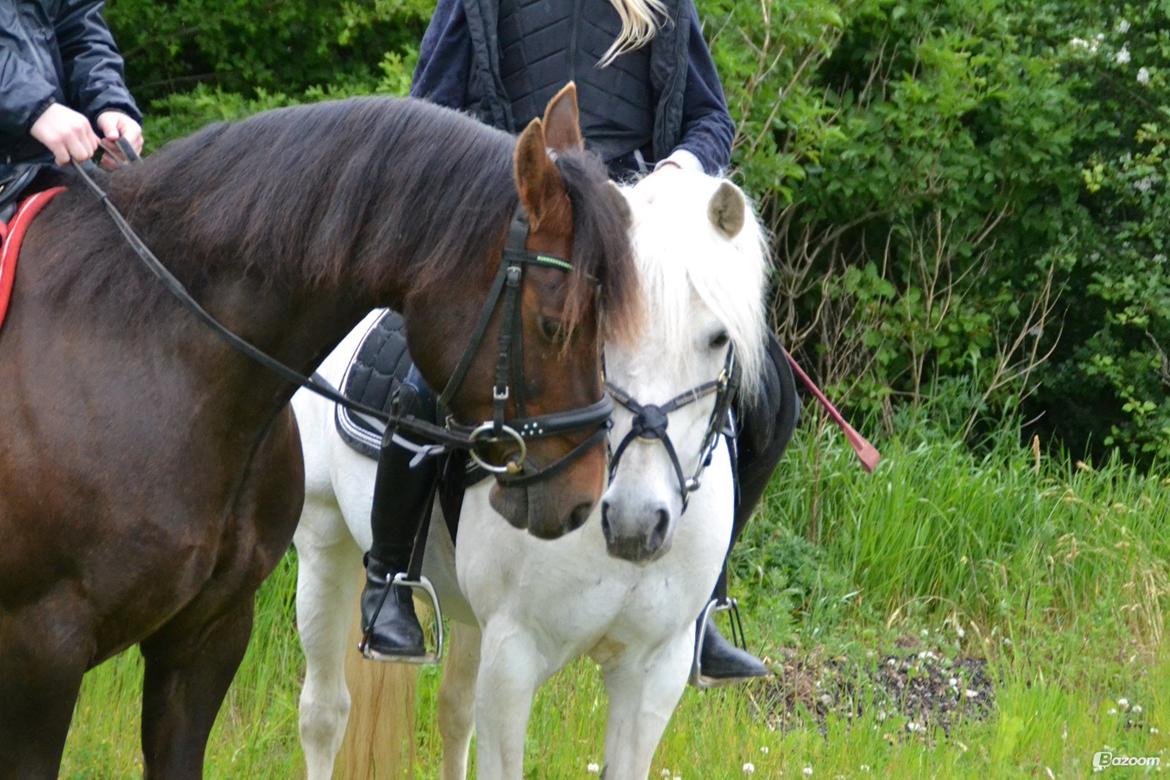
pixel 358 190
pixel 672 230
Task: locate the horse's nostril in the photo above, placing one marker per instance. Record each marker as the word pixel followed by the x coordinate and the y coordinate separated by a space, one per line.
pixel 661 526
pixel 579 515
pixel 605 529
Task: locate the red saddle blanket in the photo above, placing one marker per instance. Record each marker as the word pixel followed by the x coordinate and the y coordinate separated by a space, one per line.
pixel 11 236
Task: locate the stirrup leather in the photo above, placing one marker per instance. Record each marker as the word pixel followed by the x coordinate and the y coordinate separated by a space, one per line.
pixel 401 579
pixel 698 679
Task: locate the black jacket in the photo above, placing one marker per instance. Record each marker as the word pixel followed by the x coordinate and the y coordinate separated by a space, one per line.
pixel 54 51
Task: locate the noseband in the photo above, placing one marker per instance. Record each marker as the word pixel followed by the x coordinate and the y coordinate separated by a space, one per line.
pixel 651 420
pixel 509 376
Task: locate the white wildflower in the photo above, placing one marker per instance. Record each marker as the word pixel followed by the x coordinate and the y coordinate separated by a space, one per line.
pixel 1079 43
pixel 1112 711
pixel 913 727
pixel 972 694
pixel 1100 36
pixel 864 767
pixel 749 768
pixel 593 768
pixel 1122 56
pixel 807 771
pixel 1154 730
pixel 665 773
pixel 1122 26
pixel 1143 76
pixel 1123 704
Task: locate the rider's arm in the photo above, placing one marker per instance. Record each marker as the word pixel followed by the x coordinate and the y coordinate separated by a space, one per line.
pixel 24 93
pixel 444 58
pixel 94 80
pixel 707 128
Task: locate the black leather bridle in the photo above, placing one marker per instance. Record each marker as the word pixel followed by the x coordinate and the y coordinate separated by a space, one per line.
pixel 509 377
pixel 651 420
pixel 453 434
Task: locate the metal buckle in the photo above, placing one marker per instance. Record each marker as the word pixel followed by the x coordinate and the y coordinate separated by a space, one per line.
pixel 426 659
pixel 715 605
pixel 513 466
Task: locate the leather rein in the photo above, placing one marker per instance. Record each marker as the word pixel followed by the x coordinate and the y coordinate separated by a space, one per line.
pixel 651 420
pixel 453 434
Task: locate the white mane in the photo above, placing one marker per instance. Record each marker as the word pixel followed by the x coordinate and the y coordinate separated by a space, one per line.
pixel 671 227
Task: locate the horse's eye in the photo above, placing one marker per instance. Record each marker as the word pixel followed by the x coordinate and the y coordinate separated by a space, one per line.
pixel 551 329
pixel 720 339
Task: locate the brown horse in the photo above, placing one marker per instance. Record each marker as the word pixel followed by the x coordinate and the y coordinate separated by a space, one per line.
pixel 150 477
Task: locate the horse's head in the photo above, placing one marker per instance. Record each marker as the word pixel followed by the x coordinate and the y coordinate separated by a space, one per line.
pixel 701 256
pixel 578 268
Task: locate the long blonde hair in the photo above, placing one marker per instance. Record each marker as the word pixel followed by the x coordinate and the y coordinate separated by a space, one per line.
pixel 640 21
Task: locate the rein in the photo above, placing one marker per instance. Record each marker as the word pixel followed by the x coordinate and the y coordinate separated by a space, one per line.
pixel 651 420
pixel 451 435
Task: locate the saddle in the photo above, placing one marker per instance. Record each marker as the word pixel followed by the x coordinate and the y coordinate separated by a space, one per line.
pixel 12 235
pixel 12 186
pixel 373 376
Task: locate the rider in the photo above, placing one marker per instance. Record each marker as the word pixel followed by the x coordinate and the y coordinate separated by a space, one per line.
pixel 503 61
pixel 61 85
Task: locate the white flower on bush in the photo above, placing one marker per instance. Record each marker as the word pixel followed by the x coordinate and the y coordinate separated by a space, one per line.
pixel 1143 76
pixel 1142 185
pixel 1122 26
pixel 1122 56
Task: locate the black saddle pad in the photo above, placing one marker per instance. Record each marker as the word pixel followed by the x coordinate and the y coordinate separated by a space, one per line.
pixel 377 369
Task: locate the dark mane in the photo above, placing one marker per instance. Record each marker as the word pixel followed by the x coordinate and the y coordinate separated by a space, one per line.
pixel 313 195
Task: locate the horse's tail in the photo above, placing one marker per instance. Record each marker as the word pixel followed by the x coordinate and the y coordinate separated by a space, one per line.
pixel 379 739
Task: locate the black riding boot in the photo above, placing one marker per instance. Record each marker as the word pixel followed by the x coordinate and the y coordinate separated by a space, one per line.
pixel 766 428
pixel 401 497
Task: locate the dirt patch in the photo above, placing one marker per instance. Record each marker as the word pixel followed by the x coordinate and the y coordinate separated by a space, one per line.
pixel 926 689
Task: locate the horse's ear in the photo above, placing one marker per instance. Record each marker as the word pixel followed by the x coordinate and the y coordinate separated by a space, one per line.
pixel 727 209
pixel 537 179
pixel 562 121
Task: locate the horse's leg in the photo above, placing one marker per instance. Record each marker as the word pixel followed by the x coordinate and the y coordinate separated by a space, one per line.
pixel 643 691
pixel 189 666
pixel 42 661
pixel 511 669
pixel 457 699
pixel 328 566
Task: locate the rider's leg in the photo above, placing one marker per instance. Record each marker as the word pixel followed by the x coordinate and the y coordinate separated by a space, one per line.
pixel 401 496
pixel 767 427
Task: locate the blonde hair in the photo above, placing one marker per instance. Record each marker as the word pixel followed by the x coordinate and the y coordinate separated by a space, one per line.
pixel 640 21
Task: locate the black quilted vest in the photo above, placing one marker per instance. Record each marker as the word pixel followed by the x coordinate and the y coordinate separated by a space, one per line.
pixel 545 44
pixel 526 50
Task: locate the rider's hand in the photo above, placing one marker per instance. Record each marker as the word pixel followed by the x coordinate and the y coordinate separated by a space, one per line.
pixel 65 133
pixel 114 125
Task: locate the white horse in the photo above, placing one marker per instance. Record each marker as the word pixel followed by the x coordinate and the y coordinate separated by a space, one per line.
pixel 626 588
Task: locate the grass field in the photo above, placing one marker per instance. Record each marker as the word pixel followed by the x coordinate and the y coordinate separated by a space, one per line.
pixel 952 615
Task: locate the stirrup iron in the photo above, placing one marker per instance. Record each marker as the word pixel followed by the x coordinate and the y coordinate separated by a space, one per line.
pixel 401 579
pixel 737 638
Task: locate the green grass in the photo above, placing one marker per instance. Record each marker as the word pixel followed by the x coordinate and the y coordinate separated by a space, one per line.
pixel 1057 574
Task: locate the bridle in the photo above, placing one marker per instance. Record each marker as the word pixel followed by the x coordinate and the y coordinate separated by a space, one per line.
pixel 452 435
pixel 650 423
pixel 509 376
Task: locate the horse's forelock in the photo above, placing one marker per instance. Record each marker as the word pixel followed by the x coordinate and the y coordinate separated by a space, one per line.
pixel 602 259
pixel 673 231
